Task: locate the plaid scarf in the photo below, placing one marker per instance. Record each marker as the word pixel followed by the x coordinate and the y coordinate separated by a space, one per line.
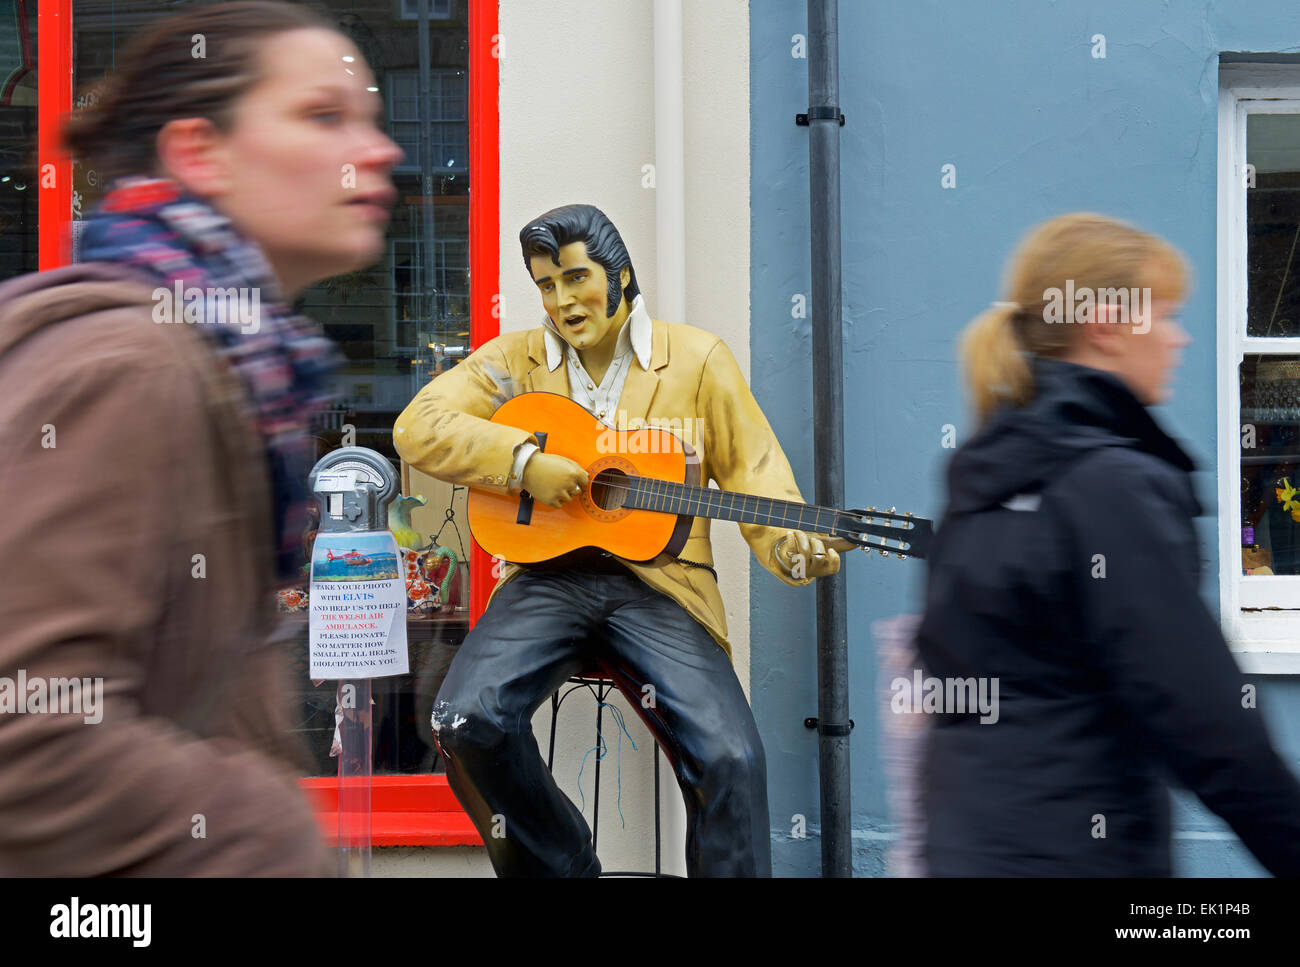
pixel 282 359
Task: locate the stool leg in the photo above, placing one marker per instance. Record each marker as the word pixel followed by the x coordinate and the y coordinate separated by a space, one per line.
pixel 555 714
pixel 601 692
pixel 658 840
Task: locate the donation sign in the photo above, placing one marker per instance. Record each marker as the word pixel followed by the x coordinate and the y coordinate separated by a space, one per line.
pixel 358 607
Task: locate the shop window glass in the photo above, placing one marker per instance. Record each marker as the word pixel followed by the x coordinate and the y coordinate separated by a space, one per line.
pixel 398 322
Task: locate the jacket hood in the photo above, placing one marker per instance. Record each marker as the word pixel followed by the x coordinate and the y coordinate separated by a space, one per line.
pixel 30 302
pixel 1076 410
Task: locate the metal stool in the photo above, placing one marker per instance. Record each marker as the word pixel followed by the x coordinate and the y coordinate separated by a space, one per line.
pixel 600 686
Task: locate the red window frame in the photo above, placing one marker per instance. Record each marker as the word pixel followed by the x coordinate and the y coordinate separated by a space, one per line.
pixel 53 100
pixel 408 810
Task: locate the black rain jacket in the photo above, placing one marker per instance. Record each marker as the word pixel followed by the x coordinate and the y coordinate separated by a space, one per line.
pixel 1066 567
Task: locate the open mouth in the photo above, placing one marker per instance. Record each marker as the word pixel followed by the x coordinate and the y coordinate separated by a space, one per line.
pixel 574 321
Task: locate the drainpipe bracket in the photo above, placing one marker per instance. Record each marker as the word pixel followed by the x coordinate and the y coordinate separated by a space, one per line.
pixel 828 112
pixel 811 722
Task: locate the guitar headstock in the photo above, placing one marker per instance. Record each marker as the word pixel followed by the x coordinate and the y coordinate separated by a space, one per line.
pixel 891 533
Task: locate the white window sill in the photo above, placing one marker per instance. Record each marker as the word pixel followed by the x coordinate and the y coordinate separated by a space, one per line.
pixel 1257 661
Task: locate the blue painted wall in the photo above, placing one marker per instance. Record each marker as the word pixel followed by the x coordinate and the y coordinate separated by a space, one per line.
pixel 1007 91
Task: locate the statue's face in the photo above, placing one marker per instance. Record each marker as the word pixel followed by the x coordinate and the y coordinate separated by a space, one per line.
pixel 576 294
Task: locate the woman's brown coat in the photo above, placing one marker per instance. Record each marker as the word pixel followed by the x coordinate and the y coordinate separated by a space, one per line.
pixel 134 519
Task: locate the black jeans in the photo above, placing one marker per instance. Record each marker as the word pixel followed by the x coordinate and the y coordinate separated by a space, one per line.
pixel 542 628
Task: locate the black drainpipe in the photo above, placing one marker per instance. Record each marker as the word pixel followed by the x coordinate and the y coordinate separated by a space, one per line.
pixel 824 120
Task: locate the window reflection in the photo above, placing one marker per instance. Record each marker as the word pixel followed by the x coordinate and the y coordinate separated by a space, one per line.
pixel 1273 225
pixel 397 322
pixel 18 235
pixel 1270 464
pixel 1270 383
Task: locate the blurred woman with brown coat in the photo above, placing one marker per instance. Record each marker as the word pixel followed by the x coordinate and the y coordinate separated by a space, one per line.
pixel 154 430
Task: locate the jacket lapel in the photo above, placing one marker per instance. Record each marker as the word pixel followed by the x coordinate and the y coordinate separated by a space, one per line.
pixel 642 384
pixel 541 379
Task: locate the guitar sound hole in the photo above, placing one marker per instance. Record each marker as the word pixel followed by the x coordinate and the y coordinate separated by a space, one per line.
pixel 609 489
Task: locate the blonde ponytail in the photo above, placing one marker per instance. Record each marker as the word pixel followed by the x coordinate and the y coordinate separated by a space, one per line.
pixel 996 370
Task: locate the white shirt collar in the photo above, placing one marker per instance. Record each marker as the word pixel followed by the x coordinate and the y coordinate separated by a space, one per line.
pixel 636 332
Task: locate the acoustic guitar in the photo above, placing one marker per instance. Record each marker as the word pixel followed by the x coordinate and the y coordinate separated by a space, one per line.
pixel 642 495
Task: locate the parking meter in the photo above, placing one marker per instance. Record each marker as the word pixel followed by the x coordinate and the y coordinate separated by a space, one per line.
pixel 357 621
pixel 355 486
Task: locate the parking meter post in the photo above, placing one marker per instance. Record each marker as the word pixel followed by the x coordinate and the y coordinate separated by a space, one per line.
pixel 355 486
pixel 355 771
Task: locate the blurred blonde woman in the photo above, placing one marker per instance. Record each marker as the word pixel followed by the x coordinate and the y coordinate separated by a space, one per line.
pixel 156 452
pixel 1064 579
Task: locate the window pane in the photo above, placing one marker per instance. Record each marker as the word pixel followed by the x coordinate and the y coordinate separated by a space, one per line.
pixel 1270 464
pixel 18 234
pixel 448 138
pixel 400 322
pixel 1273 225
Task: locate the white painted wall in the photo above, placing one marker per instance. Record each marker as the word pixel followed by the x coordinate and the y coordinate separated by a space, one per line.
pixel 716 64
pixel 577 125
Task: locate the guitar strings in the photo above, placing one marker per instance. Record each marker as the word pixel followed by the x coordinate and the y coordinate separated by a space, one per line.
pixel 695 495
pixel 689 495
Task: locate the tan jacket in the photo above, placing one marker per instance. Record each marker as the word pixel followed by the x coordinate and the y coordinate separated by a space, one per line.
pixel 692 376
pixel 153 462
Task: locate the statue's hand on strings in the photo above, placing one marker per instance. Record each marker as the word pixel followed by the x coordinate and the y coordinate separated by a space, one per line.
pixel 553 479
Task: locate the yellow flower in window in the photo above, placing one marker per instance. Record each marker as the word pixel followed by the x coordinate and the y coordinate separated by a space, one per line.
pixel 1286 497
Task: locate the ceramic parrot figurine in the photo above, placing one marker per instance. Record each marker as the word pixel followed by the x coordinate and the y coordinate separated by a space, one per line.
pixel 399 521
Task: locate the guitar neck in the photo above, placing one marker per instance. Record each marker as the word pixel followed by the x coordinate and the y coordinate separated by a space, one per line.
pixel 885 531
pixel 668 497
